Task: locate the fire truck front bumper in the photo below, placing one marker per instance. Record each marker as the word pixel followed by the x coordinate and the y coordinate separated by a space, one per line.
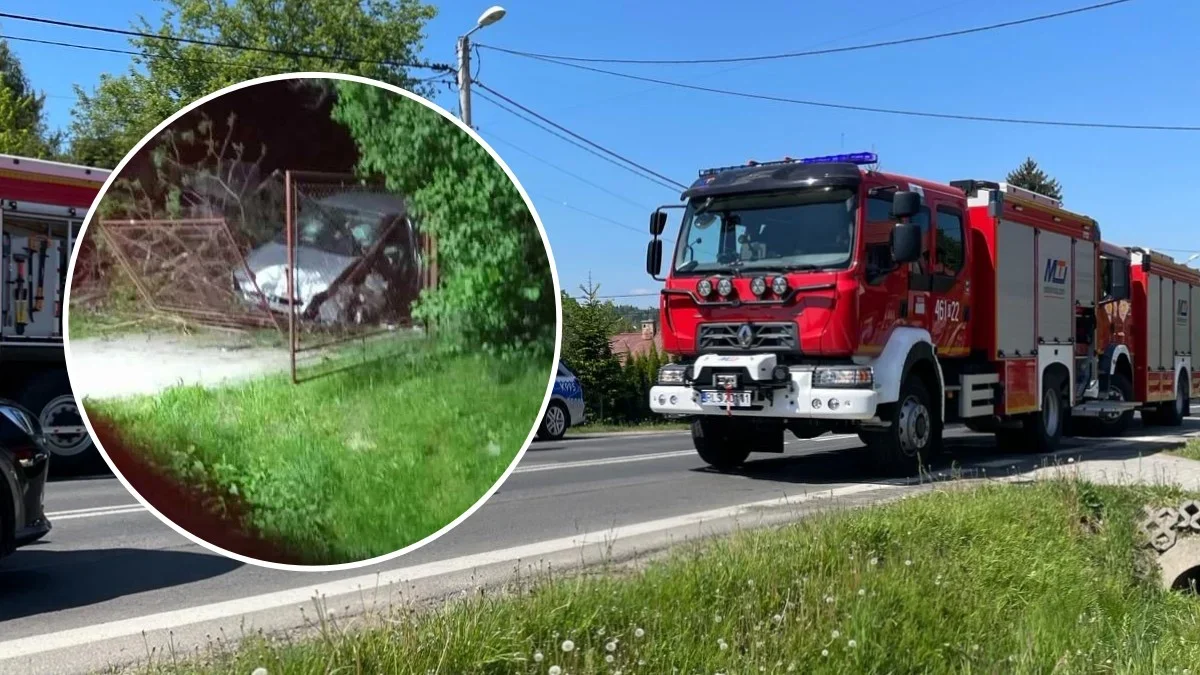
pixel 756 386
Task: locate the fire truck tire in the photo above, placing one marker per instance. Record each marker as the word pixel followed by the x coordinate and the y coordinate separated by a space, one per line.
pixel 48 396
pixel 1120 388
pixel 914 436
pixel 717 443
pixel 1172 414
pixel 1043 431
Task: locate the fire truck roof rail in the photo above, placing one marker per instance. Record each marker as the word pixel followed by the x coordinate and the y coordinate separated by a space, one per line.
pixel 971 186
pixel 858 158
pixel 57 169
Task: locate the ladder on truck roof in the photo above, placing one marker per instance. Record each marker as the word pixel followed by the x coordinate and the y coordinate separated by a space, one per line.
pixel 972 186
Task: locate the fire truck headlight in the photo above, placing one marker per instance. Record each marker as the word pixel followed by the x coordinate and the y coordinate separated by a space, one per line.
pixel 758 285
pixel 848 377
pixel 704 288
pixel 672 374
pixel 725 287
pixel 779 285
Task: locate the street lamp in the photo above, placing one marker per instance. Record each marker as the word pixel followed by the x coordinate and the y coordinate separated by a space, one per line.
pixel 1189 260
pixel 490 16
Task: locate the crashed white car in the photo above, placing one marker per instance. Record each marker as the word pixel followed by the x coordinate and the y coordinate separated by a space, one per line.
pixel 335 235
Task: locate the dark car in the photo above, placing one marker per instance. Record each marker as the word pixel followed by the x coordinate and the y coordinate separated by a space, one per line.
pixel 24 464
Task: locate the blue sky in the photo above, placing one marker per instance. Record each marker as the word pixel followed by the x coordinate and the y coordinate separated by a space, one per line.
pixel 1131 63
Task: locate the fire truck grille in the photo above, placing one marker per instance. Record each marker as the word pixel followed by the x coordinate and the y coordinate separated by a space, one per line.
pixel 775 337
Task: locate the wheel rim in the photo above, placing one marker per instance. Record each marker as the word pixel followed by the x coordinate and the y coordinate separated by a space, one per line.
pixel 1114 394
pixel 916 426
pixel 63 412
pixel 1051 412
pixel 556 421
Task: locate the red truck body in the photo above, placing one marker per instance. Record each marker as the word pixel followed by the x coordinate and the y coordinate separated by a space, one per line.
pixel 818 295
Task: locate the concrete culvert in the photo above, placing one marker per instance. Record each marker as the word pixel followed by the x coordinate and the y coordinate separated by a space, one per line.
pixel 1174 534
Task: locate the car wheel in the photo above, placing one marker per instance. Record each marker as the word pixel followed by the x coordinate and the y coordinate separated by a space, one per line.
pixel 554 422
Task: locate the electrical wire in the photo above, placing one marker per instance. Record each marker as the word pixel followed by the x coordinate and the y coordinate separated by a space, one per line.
pixel 884 111
pixel 581 138
pixel 814 52
pixel 226 45
pixel 669 186
pixel 129 52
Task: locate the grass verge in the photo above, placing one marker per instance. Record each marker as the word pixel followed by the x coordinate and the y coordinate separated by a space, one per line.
pixel 1003 578
pixel 1190 451
pixel 654 425
pixel 354 464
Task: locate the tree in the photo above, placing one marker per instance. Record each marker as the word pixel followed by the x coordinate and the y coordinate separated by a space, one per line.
pixel 23 128
pixel 379 34
pixel 1031 177
pixel 496 289
pixel 587 329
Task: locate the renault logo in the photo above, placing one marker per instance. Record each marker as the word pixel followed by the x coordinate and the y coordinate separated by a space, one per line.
pixel 744 335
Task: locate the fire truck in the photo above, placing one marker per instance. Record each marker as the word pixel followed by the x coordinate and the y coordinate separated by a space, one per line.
pixel 1148 336
pixel 820 294
pixel 42 208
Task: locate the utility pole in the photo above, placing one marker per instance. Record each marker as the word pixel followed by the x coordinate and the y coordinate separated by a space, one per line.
pixel 490 16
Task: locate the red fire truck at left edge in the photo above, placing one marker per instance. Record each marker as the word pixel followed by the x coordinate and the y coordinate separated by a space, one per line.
pixel 42 207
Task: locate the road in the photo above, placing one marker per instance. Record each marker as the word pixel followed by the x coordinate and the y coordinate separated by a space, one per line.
pixel 112 585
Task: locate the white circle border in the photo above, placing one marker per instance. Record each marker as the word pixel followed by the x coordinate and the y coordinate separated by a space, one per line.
pixel 557 327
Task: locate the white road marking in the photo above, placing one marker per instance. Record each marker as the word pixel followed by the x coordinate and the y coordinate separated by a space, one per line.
pixel 303 595
pixel 94 512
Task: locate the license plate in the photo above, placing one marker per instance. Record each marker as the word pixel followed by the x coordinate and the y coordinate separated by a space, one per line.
pixel 736 399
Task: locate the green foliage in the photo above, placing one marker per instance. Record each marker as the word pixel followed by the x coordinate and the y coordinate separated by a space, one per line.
pixel 1031 177
pixel 22 116
pixel 496 290
pixel 123 108
pixel 587 329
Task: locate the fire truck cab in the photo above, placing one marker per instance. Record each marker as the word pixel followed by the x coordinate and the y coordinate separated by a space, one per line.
pixel 820 295
pixel 42 208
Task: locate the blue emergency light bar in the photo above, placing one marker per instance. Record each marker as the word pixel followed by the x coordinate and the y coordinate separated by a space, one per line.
pixel 849 158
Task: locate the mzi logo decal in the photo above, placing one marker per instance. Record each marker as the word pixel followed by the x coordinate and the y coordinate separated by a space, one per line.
pixel 1056 272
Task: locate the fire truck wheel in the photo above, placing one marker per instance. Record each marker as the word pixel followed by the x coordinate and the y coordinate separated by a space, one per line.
pixel 717 443
pixel 1120 389
pixel 48 396
pixel 915 434
pixel 1043 430
pixel 1171 414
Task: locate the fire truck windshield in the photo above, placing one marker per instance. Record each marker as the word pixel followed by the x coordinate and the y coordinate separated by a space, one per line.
pixel 805 230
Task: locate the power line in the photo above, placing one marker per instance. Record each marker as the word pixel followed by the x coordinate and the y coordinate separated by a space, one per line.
pixel 129 52
pixel 585 212
pixel 884 111
pixel 581 138
pixel 226 45
pixel 572 141
pixel 814 52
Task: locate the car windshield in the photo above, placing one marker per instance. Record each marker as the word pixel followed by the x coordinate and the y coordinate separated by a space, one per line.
pixel 809 229
pixel 335 230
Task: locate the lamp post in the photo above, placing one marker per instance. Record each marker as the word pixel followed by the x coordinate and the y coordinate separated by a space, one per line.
pixel 490 16
pixel 1189 260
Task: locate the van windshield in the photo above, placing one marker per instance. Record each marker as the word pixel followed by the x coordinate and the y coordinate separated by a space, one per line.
pixel 799 230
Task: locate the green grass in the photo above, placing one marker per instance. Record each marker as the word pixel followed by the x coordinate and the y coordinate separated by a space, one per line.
pixel 1004 578
pixel 1190 451
pixel 352 465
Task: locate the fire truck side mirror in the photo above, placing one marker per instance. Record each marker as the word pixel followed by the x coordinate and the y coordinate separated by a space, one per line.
pixel 906 243
pixel 905 204
pixel 654 252
pixel 658 222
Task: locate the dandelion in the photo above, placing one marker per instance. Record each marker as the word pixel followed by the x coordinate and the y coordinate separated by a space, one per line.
pixel 874 561
pixel 608 658
pixel 778 618
pixel 612 646
pixel 862 591
pixel 717 619
pixel 638 632
pixel 537 657
pixel 836 633
pixel 824 652
pixel 568 646
pixel 641 662
pixel 852 643
pixel 791 668
pixel 759 644
pixel 600 632
pixel 1070 460
pixel 750 583
pixel 555 670
pixel 908 563
pixel 829 599
pixel 259 671
pixel 722 644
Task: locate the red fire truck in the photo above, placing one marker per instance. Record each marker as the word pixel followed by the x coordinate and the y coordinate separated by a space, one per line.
pixel 1148 336
pixel 820 295
pixel 42 207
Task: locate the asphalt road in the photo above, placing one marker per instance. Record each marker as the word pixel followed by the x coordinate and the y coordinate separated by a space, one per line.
pixel 110 570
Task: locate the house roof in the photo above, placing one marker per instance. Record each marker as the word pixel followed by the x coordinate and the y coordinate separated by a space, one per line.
pixel 634 344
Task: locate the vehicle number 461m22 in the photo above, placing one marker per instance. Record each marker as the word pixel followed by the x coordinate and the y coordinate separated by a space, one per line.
pixel 948 310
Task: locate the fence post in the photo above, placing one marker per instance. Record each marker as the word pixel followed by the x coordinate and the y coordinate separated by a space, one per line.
pixel 291 273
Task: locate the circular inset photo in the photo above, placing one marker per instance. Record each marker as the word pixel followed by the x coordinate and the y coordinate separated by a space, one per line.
pixel 312 321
